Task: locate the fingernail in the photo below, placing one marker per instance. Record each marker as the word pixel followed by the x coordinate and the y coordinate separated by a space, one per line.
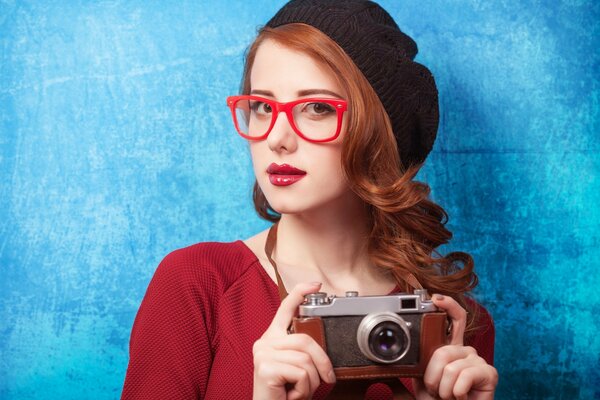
pixel 316 283
pixel 439 297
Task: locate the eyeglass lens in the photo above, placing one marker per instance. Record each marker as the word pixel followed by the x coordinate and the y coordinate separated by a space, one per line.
pixel 315 120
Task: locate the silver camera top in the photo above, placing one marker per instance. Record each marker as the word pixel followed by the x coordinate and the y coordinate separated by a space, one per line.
pixel 321 305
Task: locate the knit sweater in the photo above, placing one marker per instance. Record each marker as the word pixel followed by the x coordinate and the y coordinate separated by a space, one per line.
pixel 203 310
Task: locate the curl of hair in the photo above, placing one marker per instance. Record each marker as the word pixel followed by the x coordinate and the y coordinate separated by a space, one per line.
pixel 406 225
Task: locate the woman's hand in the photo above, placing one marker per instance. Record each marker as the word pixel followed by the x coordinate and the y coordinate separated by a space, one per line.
pixel 289 367
pixel 456 371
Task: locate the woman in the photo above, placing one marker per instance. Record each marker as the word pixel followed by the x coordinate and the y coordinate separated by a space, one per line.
pixel 339 119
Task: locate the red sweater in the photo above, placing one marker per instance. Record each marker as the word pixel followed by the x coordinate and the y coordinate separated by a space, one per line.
pixel 204 308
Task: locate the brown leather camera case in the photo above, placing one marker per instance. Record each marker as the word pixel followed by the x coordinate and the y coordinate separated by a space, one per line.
pixel 433 335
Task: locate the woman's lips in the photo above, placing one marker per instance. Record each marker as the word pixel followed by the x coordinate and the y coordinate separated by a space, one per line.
pixel 284 175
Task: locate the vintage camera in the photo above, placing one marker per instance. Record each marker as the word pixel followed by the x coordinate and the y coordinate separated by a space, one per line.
pixel 368 337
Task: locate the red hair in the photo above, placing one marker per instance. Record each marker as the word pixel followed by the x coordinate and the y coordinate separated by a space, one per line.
pixel 406 225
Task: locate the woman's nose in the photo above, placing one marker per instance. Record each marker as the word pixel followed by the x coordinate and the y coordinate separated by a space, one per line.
pixel 282 136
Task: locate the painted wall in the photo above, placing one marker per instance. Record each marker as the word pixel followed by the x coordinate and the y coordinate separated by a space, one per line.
pixel 116 148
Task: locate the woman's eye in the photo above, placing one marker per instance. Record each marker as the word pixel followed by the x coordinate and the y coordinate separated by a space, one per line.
pixel 261 107
pixel 319 108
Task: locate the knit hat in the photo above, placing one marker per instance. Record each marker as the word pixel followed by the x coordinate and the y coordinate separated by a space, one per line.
pixel 384 54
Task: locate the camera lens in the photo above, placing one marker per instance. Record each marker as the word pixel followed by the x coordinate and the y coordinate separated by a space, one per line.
pixel 387 340
pixel 383 337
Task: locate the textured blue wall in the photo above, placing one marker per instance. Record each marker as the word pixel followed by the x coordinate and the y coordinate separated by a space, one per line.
pixel 116 148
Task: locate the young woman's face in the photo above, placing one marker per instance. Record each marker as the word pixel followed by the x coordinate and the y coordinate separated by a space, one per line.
pixel 296 175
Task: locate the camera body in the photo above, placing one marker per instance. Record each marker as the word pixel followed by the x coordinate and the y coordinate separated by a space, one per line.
pixel 369 337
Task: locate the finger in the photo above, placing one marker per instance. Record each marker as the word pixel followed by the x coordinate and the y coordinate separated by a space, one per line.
pixel 277 375
pixel 289 306
pixel 477 381
pixel 304 343
pixel 440 358
pixel 457 315
pixel 450 374
pixel 300 360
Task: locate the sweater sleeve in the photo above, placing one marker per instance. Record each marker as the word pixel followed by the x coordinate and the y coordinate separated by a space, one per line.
pixel 484 334
pixel 170 352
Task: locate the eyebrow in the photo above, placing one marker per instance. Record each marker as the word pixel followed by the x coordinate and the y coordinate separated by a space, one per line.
pixel 301 93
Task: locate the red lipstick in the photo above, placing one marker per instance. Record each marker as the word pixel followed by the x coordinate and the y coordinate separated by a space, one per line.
pixel 284 175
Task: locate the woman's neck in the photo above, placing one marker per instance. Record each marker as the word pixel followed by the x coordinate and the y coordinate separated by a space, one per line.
pixel 323 245
pixel 331 249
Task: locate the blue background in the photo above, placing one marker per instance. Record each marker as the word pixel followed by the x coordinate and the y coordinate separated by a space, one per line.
pixel 116 147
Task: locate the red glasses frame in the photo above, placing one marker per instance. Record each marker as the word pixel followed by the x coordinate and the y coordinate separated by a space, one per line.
pixel 340 106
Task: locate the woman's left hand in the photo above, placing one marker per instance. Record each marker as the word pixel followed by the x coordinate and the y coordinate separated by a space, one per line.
pixel 456 371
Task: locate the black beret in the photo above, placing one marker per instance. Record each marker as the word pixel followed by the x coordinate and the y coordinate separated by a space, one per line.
pixel 385 55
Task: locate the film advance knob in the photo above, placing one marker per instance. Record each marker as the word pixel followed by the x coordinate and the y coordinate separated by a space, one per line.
pixel 315 299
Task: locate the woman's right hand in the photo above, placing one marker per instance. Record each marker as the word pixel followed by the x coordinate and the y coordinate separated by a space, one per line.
pixel 289 366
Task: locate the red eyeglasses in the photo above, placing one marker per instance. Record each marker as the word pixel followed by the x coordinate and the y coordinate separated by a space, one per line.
pixel 313 119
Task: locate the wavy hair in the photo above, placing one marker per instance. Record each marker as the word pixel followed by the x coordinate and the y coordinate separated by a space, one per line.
pixel 406 225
